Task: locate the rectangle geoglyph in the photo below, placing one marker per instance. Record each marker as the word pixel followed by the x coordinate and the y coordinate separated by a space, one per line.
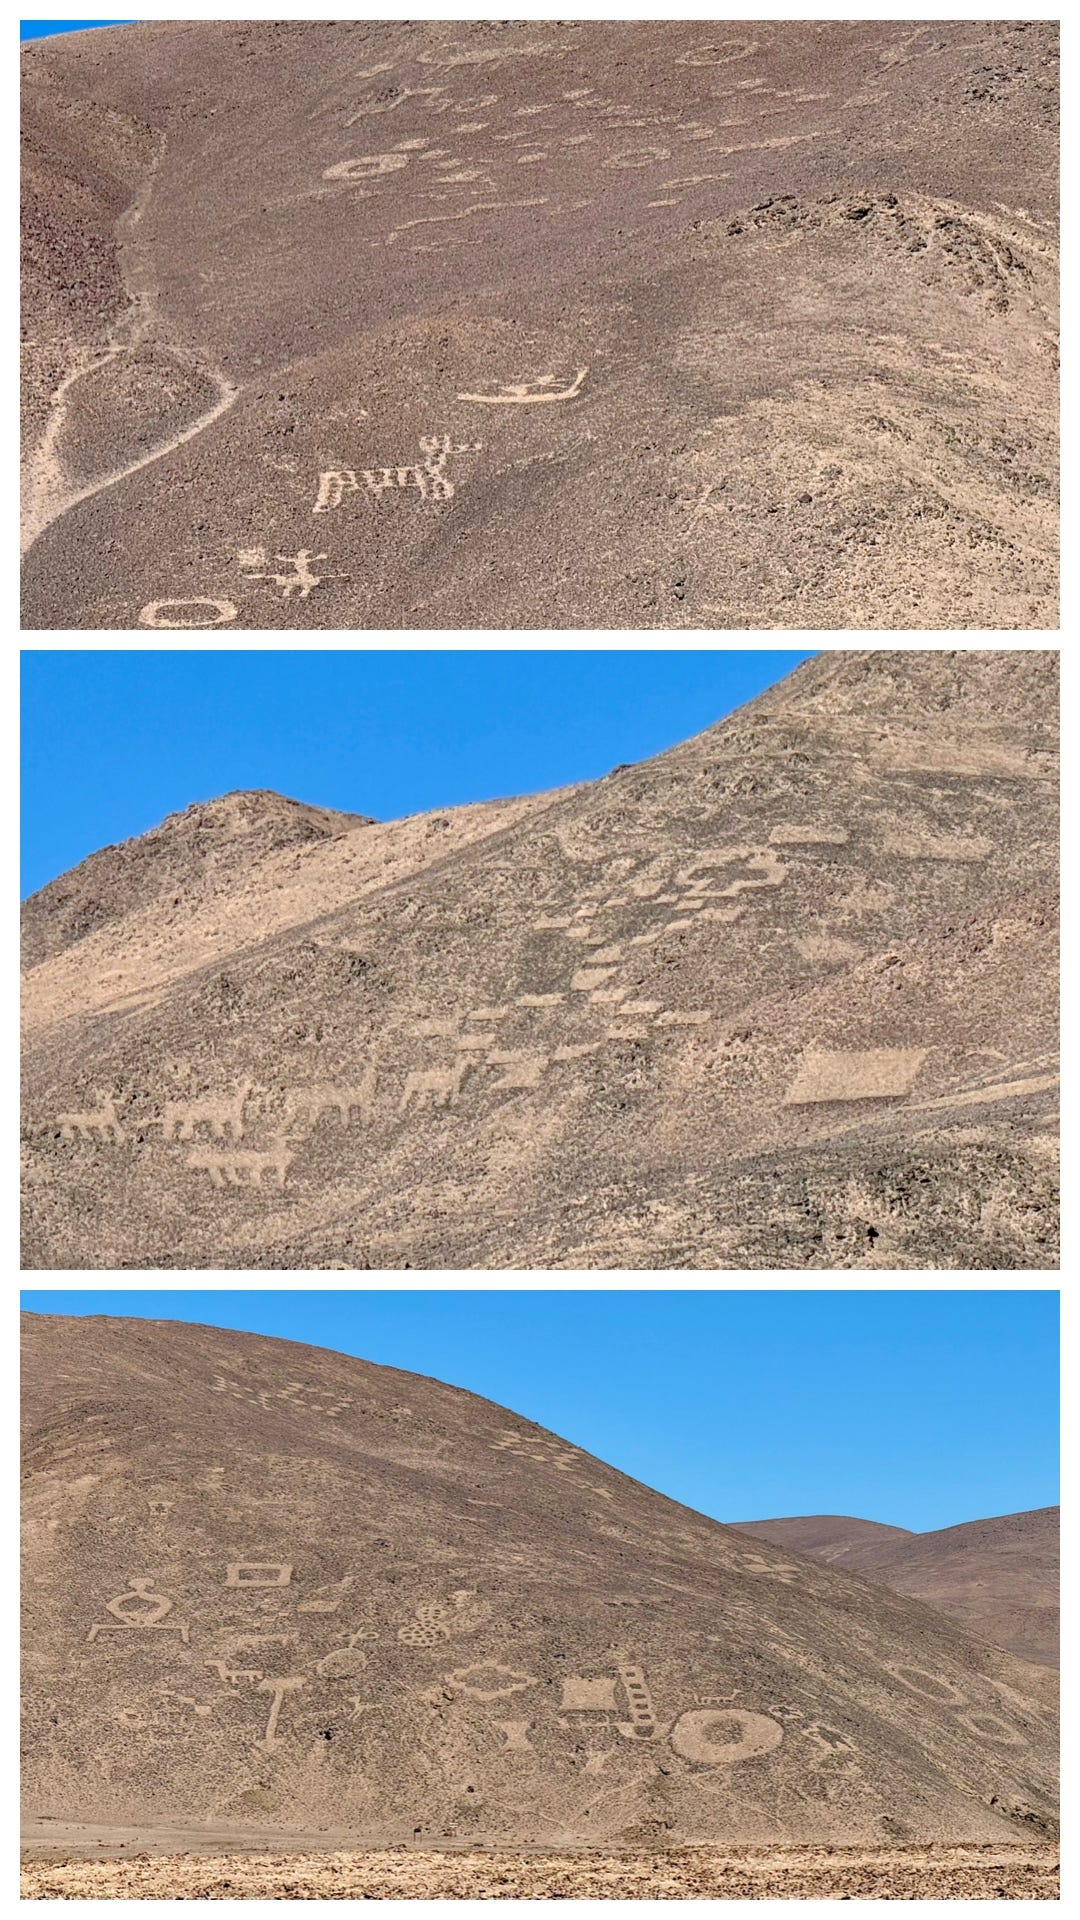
pixel 873 1073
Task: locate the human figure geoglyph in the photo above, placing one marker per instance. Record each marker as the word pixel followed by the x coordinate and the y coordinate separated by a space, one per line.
pixel 254 564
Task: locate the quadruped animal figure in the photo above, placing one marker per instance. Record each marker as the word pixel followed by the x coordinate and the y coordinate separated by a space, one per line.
pixel 98 1124
pixel 428 476
pixel 222 1114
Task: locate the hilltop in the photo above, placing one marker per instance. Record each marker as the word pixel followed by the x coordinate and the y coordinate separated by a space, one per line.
pixel 998 1576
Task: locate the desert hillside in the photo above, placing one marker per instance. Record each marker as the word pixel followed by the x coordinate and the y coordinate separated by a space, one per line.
pixel 270 1589
pixel 345 324
pixel 998 1576
pixel 783 996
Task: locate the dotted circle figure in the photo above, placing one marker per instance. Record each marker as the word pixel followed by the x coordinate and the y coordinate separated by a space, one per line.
pixel 367 166
pixel 721 1737
pixel 222 611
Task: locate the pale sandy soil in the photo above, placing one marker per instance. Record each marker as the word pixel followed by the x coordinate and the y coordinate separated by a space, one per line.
pixel 819 1873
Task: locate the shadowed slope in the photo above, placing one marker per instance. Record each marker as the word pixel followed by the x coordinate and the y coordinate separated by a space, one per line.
pixel 782 996
pixel 470 324
pixel 273 1587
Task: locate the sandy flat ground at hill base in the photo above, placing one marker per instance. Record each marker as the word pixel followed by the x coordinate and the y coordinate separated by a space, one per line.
pixel 686 1873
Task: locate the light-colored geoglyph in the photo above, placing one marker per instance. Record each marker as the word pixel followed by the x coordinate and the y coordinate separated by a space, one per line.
pixel 216 1127
pixel 907 403
pixel 693 977
pixel 485 1624
pixel 541 391
pixel 254 564
pixel 715 1739
pixel 872 1073
pixel 427 477
pixel 242 1167
pixel 226 1132
pixel 94 1123
pixel 619 1701
pixel 166 615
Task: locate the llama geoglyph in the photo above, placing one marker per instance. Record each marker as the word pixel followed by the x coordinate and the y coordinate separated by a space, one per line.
pixel 241 1166
pixel 304 1106
pixel 435 1086
pixel 97 1123
pixel 428 476
pixel 223 1114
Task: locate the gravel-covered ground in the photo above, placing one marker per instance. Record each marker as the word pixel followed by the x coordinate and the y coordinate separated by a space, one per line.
pixel 688 1873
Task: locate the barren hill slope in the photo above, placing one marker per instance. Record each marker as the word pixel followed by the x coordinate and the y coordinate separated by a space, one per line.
pixel 999 1576
pixel 825 1536
pixel 268 1587
pixel 783 996
pixel 443 324
pixel 206 852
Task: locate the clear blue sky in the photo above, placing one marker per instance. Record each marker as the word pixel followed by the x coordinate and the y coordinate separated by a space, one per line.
pixel 112 741
pixel 920 1409
pixel 37 29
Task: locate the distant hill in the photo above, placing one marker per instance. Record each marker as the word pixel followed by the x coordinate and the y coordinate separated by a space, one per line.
pixel 998 1577
pixel 204 854
pixel 478 324
pixel 825 1536
pixel 783 996
pixel 269 1587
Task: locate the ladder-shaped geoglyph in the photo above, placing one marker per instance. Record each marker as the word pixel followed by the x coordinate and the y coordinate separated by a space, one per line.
pixel 291 1646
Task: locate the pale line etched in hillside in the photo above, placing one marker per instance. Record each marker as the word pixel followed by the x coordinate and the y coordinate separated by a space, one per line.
pixel 480 206
pixel 46 500
pixel 46 496
pixel 990 1095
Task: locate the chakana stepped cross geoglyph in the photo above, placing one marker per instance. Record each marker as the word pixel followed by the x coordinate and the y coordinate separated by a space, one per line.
pixel 824 1076
pixel 213 1125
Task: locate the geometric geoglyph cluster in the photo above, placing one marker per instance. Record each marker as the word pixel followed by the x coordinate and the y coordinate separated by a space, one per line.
pixel 617 1701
